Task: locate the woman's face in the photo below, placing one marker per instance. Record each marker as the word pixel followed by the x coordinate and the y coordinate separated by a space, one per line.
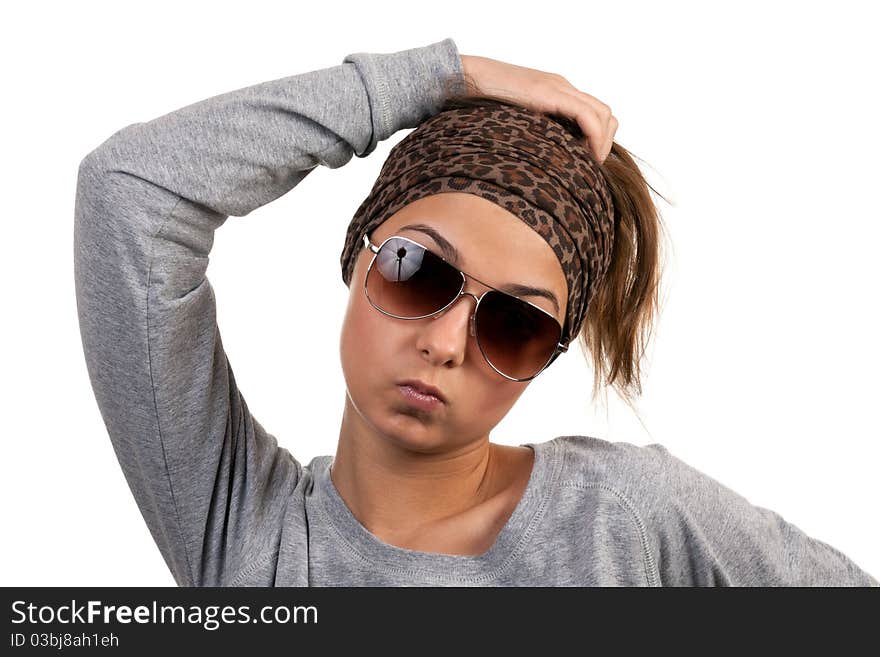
pixel 378 351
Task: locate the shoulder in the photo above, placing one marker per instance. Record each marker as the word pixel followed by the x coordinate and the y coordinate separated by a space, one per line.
pixel 696 530
pixel 624 466
pixel 650 482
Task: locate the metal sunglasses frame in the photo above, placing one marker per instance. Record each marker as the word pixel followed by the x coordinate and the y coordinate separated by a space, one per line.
pixel 561 347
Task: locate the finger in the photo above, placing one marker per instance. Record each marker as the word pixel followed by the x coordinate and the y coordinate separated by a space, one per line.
pixel 587 119
pixel 612 124
pixel 602 109
pixel 570 105
pixel 608 120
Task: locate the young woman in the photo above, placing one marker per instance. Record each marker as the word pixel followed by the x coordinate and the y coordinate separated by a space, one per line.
pixel 498 230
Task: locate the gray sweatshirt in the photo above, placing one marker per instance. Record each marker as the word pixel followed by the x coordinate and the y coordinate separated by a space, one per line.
pixel 224 502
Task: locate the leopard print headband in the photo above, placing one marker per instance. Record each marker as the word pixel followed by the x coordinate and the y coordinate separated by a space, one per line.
pixel 523 161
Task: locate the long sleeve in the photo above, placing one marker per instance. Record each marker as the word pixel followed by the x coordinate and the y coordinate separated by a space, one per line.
pixel 702 533
pixel 211 483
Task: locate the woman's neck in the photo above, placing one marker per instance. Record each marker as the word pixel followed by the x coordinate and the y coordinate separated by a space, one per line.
pixel 394 490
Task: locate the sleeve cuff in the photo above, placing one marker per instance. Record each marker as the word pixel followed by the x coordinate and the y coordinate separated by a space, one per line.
pixel 407 87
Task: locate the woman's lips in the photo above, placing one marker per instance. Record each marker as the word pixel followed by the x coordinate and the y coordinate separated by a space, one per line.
pixel 419 399
pixel 424 388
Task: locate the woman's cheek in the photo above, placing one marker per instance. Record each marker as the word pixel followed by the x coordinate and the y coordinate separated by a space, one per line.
pixel 488 402
pixel 367 347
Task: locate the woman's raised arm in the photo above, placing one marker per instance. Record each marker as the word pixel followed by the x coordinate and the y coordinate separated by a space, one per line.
pixel 211 483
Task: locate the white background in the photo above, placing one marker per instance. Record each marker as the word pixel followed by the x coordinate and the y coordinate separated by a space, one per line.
pixel 759 122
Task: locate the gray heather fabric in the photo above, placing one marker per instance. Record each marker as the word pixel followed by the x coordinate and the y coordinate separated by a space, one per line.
pixel 225 504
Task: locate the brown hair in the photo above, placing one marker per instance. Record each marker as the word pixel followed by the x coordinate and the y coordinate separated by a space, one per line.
pixel 618 325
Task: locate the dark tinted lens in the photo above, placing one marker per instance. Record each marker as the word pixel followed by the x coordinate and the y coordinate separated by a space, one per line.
pixel 517 338
pixel 409 281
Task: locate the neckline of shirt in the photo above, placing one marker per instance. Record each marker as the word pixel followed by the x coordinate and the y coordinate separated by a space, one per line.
pixel 391 559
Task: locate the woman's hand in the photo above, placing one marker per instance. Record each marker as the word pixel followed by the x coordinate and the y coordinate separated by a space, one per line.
pixel 545 92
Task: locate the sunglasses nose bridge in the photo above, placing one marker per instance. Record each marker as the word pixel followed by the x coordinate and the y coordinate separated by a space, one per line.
pixel 470 281
pixel 473 322
pixel 473 316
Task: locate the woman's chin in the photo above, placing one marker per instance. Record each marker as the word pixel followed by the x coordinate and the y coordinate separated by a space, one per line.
pixel 414 434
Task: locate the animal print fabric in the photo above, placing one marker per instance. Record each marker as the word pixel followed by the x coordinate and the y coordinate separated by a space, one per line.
pixel 523 161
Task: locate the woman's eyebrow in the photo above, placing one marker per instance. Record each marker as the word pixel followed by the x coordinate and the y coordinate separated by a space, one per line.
pixel 453 255
pixel 447 247
pixel 519 290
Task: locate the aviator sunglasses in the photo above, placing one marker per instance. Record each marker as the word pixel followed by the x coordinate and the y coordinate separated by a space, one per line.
pixel 406 280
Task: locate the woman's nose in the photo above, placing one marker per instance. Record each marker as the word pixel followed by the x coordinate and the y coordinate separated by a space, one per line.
pixel 471 310
pixel 445 337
